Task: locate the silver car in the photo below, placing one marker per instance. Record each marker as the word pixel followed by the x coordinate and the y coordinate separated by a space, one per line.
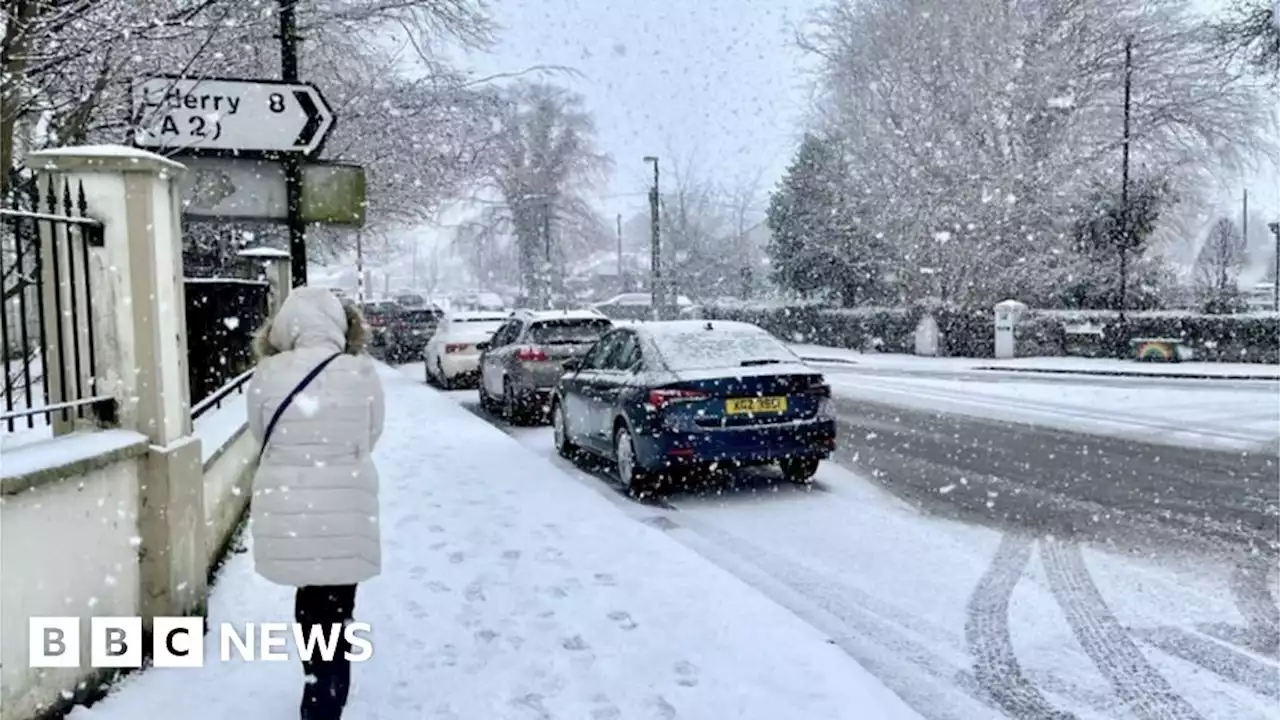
pixel 521 364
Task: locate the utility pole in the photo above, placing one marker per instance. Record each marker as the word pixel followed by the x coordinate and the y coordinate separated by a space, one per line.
pixel 1244 220
pixel 1275 279
pixel 1125 224
pixel 292 166
pixel 546 240
pixel 360 267
pixel 655 289
pixel 622 285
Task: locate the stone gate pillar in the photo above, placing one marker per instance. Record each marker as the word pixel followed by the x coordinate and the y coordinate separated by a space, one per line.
pixel 139 318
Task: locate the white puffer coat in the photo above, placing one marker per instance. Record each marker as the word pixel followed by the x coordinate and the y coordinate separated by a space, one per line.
pixel 314 513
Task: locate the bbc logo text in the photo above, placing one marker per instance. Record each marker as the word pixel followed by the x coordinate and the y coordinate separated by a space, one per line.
pixel 179 642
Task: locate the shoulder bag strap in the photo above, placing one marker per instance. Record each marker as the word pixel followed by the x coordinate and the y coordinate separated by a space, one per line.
pixel 288 400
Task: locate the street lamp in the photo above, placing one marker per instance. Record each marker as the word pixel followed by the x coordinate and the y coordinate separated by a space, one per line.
pixel 655 289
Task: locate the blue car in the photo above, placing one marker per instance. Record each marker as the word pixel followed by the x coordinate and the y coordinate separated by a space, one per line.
pixel 666 396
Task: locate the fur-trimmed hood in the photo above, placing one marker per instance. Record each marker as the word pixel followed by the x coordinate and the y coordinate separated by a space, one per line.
pixel 313 317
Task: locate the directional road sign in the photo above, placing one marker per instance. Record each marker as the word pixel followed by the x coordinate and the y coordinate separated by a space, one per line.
pixel 230 117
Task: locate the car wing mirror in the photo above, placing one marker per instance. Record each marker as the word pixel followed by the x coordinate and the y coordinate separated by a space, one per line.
pixel 482 346
pixel 571 365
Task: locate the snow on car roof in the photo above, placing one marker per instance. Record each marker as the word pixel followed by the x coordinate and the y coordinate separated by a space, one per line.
pixel 544 315
pixel 669 328
pixel 478 316
pixel 690 345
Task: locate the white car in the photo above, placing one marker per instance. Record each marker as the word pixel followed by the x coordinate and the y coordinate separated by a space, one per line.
pixel 451 355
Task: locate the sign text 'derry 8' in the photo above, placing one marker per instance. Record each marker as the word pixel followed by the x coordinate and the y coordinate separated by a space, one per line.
pixel 203 116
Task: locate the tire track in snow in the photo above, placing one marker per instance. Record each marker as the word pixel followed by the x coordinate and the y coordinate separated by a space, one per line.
pixel 1249 588
pixel 995 664
pixel 1147 694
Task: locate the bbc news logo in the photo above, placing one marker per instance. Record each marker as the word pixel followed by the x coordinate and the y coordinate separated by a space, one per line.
pixel 117 642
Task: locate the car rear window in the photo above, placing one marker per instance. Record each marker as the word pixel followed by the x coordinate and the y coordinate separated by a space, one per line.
pixel 564 332
pixel 710 349
pixel 420 316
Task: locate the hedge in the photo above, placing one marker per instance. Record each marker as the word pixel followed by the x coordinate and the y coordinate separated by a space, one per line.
pixel 969 332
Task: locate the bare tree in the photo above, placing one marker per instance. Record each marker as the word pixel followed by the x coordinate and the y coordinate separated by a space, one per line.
pixel 544 165
pixel 1221 258
pixel 1250 33
pixel 972 164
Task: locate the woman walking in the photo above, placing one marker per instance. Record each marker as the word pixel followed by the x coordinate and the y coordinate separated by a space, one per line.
pixel 316 407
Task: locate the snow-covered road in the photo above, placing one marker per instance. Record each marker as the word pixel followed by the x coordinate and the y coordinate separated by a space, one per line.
pixel 510 592
pixel 960 618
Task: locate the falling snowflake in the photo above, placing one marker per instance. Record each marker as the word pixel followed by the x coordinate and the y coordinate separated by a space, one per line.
pixel 231 322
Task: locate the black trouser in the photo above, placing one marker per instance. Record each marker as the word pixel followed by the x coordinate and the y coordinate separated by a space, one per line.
pixel 324 695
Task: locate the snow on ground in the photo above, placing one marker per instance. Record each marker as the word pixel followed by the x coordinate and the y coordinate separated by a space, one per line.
pixel 1082 365
pixel 510 591
pixel 1178 412
pixel 946 612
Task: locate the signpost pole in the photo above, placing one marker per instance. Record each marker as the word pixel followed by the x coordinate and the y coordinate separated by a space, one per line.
pixel 292 166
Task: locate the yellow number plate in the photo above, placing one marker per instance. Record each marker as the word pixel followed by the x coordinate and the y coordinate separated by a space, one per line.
pixel 743 406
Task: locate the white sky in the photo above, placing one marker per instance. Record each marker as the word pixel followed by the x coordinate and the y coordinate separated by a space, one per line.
pixel 716 82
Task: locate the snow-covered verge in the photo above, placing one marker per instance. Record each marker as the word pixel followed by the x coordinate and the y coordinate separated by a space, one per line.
pixel 511 591
pixel 1048 365
pixel 1175 412
pixel 220 425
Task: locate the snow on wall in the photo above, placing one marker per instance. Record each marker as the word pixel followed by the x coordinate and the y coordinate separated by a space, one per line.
pixel 67 548
pixel 229 454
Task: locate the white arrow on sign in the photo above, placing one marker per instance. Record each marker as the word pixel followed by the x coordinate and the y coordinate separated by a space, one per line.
pixel 230 115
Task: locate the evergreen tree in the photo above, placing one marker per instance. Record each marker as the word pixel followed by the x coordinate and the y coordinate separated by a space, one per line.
pixel 817 244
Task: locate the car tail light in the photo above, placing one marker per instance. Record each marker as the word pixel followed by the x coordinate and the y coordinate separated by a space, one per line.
pixel 528 354
pixel 821 390
pixel 668 396
pixel 455 347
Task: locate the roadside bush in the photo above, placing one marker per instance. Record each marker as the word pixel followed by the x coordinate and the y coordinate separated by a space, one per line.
pixel 970 332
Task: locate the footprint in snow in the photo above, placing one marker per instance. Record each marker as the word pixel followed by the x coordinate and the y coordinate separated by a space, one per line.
pixel 665 710
pixel 438 546
pixel 435 529
pixel 486 635
pixel 408 520
pixel 474 592
pixel 438 587
pixel 605 579
pixel 457 557
pixel 686 674
pixel 576 644
pixel 623 618
pixel 557 592
pixel 416 611
pixel 417 572
pixel 510 554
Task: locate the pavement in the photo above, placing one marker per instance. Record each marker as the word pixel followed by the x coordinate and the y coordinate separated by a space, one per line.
pixel 1055 482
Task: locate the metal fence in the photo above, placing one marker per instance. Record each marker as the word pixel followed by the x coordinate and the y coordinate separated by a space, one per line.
pixel 222 316
pixel 46 328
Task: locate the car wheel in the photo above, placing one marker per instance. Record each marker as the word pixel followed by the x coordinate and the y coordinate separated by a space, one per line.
pixel 799 470
pixel 486 402
pixel 638 483
pixel 445 382
pixel 512 411
pixel 560 430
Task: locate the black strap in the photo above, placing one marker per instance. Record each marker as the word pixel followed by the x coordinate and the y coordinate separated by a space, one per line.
pixel 288 400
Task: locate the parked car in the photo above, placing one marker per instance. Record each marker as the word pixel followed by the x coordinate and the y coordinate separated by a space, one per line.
pixel 520 366
pixel 379 315
pixel 639 306
pixel 411 300
pixel 409 331
pixel 452 356
pixel 665 396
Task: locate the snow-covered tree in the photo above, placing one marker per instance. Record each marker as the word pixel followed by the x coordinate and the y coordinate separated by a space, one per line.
pixel 544 165
pixel 1221 259
pixel 820 241
pixel 976 125
pixel 1250 32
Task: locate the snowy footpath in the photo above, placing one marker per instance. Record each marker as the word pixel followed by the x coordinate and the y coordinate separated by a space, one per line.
pixel 510 590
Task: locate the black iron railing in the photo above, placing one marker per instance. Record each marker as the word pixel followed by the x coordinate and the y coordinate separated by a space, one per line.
pixel 44 260
pixel 222 315
pixel 221 395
